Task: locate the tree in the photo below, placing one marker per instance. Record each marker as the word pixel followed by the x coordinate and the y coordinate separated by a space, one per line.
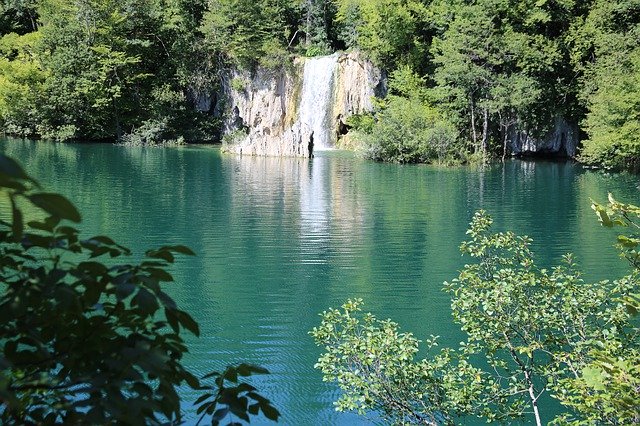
pixel 246 33
pixel 608 388
pixel 374 365
pixel 392 32
pixel 18 16
pixel 539 332
pixel 22 84
pixel 101 55
pixel 106 69
pixel 498 65
pixel 606 53
pixel 89 340
pixel 405 127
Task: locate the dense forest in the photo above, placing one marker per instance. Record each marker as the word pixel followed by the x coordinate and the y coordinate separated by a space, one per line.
pixel 462 74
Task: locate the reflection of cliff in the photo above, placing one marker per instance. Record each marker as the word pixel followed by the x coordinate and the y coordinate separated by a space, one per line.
pixel 316 199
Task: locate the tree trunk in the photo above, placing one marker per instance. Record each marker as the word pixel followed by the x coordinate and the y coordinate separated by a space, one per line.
pixel 504 142
pixel 474 134
pixel 534 399
pixel 307 38
pixel 34 25
pixel 485 131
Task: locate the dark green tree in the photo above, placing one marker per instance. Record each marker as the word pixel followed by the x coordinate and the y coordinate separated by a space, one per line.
pixel 606 53
pixel 498 66
pixel 18 16
pixel 247 33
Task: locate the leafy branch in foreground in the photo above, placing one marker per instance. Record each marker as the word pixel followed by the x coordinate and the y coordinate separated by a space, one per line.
pixel 240 400
pixel 609 386
pixel 538 332
pixel 86 340
pixel 374 365
pixel 624 215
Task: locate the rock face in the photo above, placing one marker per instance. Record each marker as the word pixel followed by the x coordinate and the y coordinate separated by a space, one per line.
pixel 292 113
pixel 561 141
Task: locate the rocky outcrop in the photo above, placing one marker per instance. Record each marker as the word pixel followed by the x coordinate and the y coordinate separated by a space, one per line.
pixel 261 111
pixel 561 141
pixel 358 82
pixel 291 113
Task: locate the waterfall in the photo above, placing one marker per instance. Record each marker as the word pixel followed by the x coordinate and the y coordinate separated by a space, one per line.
pixel 317 98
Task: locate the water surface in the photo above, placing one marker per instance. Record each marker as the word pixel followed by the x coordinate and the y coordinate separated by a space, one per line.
pixel 278 240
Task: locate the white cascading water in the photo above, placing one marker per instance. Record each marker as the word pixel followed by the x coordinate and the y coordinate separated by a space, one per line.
pixel 316 103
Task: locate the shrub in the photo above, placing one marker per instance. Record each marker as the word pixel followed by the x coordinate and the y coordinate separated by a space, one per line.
pixel 407 130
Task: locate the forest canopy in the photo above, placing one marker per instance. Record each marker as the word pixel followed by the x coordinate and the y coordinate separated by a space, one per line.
pixel 138 71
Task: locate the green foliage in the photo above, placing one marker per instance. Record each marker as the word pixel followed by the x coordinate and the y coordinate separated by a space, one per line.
pixel 407 129
pixel 535 326
pixel 614 108
pixel 86 339
pixel 105 69
pixel 18 16
pixel 239 84
pixel 606 55
pixel 624 215
pixel 538 332
pixel 247 32
pixel 318 16
pixel 374 365
pixel 496 70
pixel 152 132
pixel 228 397
pixel 391 32
pixel 22 82
pixel 410 131
pixel 607 390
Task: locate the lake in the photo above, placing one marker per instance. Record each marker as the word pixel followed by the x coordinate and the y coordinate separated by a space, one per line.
pixel 278 240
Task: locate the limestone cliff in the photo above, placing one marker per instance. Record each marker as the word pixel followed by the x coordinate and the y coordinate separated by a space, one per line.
pixel 292 112
pixel 562 141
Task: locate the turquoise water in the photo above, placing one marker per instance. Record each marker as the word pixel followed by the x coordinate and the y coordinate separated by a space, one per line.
pixel 278 240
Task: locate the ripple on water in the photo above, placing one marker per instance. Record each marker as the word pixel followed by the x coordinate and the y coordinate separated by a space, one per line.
pixel 280 240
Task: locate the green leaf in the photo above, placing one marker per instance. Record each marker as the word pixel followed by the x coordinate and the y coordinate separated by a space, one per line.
pixel 181 249
pixel 125 290
pixel 56 205
pixel 270 412
pixel 172 318
pixel 10 167
pixel 212 374
pixel 249 369
pixel 187 322
pixel 203 398
pixel 103 240
pixel 161 254
pixel 220 414
pixel 627 242
pixel 146 301
pixel 159 274
pixel 191 380
pixel 17 225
